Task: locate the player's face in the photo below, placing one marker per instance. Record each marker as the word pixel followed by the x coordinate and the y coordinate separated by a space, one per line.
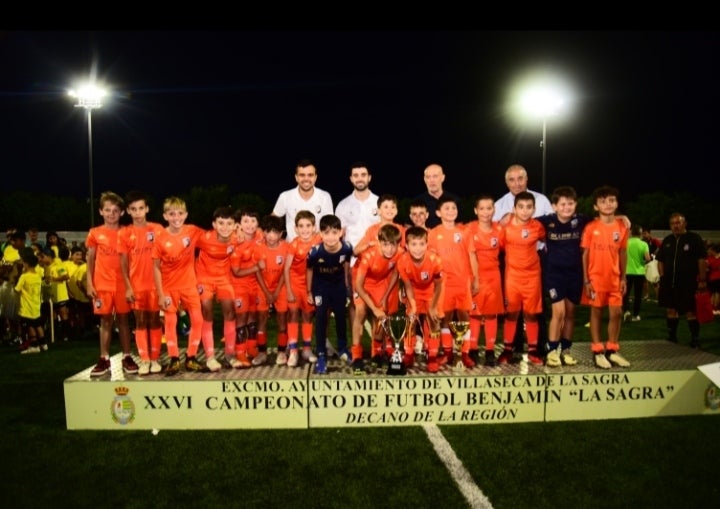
pixel 272 237
pixel 516 182
pixel 418 216
pixel 224 226
pixel 248 225
pixel 331 237
pixel 565 208
pixel 606 205
pixel 417 247
pixel 306 177
pixel 484 210
pixel 360 178
pixel 138 210
pixel 448 211
pixel 388 249
pixel 305 229
pixel 388 210
pixel 175 217
pixel 110 213
pixel 524 210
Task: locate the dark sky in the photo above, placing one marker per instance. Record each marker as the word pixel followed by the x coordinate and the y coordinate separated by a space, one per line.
pixel 193 108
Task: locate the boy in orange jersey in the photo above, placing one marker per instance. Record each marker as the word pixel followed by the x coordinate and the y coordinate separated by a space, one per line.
pixel 300 311
pixel 271 256
pixel 135 244
pixel 175 282
pixel 212 268
pixel 105 284
pixel 452 242
pixel 422 276
pixel 388 210
pixel 487 236
pixel 604 259
pixel 375 281
pixel 523 284
pixel 244 267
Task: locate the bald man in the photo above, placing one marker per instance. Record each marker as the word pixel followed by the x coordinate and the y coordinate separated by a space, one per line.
pixel 434 178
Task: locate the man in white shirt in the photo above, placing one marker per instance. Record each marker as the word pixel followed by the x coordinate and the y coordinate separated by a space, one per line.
pixel 303 197
pixel 516 180
pixel 358 211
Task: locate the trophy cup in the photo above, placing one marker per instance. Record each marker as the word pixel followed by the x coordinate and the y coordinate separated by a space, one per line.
pixel 459 328
pixel 396 327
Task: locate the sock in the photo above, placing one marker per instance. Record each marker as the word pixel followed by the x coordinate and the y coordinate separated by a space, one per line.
pixel 282 341
pixel 171 334
pixel 357 352
pixel 292 333
pixel 532 330
pixel 672 327
pixel 694 327
pixel 565 344
pixel 208 340
pixel 307 330
pixel 262 341
pixel 509 328
pixel 229 333
pixel 155 343
pixel 141 341
pixel 491 328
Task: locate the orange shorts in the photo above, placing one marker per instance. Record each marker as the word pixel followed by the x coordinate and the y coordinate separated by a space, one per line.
pixel 280 304
pixel 107 302
pixel 603 299
pixel 216 287
pixel 187 296
pixel 146 301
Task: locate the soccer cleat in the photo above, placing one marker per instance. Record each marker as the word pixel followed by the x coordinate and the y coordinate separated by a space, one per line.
pixel 601 361
pixel 695 344
pixel 213 365
pixel 243 361
pixel 636 318
pixel 345 355
pixel 506 357
pixel 617 359
pixel 44 347
pixel 475 356
pixel 308 355
pixel 281 359
pixel 490 358
pixel 535 358
pixel 293 358
pixel 129 366
pixel 467 361
pixel 358 367
pixel 155 367
pixel 102 367
pixel 432 365
pixel 419 345
pixel 552 359
pixel 567 359
pixel 174 367
pixel 259 359
pixel 627 315
pixel 144 368
pixel 31 349
pixel 192 364
pixel 378 360
pixel 321 365
pixel 329 350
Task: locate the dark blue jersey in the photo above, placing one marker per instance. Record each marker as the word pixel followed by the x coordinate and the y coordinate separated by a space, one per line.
pixel 328 268
pixel 562 242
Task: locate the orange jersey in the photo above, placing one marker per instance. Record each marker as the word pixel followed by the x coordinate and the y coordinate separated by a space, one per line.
pixel 136 242
pixel 243 257
pixel 274 261
pixel 488 245
pixel 371 234
pixel 421 276
pixel 521 257
pixel 213 260
pixel 299 250
pixel 106 274
pixel 604 241
pixel 454 247
pixel 375 267
pixel 176 252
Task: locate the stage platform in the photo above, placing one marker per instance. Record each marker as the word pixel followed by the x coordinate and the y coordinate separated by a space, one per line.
pixel 663 380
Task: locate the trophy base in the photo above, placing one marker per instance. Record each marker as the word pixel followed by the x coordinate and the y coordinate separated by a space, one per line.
pixel 396 369
pixel 459 367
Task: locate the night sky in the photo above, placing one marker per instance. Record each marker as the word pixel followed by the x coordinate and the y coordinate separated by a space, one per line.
pixel 198 108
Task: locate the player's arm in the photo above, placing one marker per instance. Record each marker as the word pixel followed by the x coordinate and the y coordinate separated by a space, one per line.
pixel 379 312
pixel 309 279
pixel 124 268
pixel 90 257
pixel 157 278
pixel 410 296
pixel 286 277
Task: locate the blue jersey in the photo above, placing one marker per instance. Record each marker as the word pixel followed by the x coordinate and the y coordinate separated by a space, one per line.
pixel 328 268
pixel 562 242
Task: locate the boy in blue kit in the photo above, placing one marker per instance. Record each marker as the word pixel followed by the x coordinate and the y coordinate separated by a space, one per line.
pixel 328 283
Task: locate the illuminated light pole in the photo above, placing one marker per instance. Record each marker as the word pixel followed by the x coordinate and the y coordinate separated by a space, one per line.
pixel 89 97
pixel 543 100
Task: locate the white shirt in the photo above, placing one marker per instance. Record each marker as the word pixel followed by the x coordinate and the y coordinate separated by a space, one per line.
pixel 289 203
pixel 507 204
pixel 357 216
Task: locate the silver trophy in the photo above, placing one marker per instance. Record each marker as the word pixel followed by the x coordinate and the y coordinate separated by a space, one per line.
pixel 458 329
pixel 397 327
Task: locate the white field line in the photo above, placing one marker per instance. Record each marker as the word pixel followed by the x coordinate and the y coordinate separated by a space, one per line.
pixel 472 493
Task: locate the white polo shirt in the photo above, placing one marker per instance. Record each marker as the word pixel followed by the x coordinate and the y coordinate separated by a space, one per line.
pixel 507 204
pixel 289 203
pixel 357 216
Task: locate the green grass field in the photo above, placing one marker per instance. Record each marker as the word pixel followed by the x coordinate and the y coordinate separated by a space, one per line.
pixel 663 462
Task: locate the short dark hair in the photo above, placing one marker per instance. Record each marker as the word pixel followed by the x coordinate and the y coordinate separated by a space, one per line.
pixel 389 233
pixel 272 223
pixel 524 196
pixel 415 232
pixel 330 222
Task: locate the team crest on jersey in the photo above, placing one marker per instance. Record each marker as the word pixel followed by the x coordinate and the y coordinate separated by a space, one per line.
pixel 457 238
pixel 553 293
pixel 375 212
pixel 150 236
pixel 200 289
pixel 574 222
pixel 318 300
pixel 524 233
pixel 493 242
pixel 424 275
pixel 318 209
pixel 342 258
pixel 686 247
pixel 616 236
pixel 321 260
pixel 279 260
pixel 122 408
pixel 391 265
pixel 238 303
pixel 186 241
pixel 230 250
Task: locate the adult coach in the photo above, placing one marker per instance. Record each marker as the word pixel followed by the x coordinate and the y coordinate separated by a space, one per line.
pixel 359 210
pixel 682 263
pixel 303 197
pixel 434 178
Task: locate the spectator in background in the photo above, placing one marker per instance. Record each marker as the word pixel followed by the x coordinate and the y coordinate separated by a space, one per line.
pixel 653 245
pixel 682 263
pixel 638 254
pixel 434 178
pixel 713 263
